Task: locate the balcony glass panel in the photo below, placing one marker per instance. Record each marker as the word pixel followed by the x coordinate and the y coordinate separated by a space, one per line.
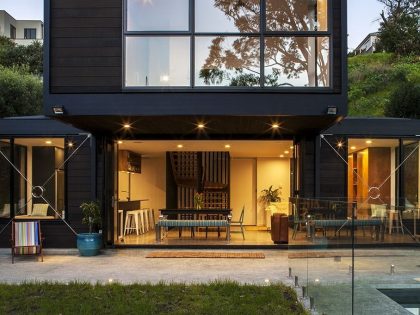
pixel 157 61
pixel 296 15
pixel 227 16
pixel 157 15
pixel 297 62
pixel 227 61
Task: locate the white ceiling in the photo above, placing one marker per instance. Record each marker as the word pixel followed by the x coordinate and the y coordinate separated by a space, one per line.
pixel 360 144
pixel 238 149
pixel 40 142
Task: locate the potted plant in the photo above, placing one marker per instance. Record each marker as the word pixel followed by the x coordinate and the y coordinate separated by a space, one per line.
pixel 270 199
pixel 198 200
pixel 90 243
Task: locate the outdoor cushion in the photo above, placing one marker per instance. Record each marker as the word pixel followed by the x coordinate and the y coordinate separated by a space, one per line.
pixel 39 210
pixel 193 223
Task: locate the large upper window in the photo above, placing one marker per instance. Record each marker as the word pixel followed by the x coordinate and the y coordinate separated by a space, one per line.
pixel 227 43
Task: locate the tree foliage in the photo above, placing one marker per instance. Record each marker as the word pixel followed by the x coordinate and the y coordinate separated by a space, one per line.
pixel 28 57
pixel 20 93
pixel 404 101
pixel 238 61
pixel 399 29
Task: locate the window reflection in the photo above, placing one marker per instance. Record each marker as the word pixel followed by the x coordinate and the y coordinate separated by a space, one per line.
pixel 158 61
pixel 227 61
pixel 5 179
pixel 157 15
pixel 296 15
pixel 227 16
pixel 297 61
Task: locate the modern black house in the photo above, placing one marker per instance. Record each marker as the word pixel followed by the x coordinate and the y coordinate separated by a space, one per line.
pixel 206 104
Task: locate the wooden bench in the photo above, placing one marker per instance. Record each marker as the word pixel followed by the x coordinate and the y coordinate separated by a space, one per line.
pixel 191 223
pixel 347 223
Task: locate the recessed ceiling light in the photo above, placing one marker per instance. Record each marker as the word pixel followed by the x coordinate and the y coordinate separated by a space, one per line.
pixel 353 148
pixel 70 144
pixel 368 141
pixel 48 142
pixel 201 126
pixel 120 142
pixel 282 156
pixel 340 144
pixel 180 146
pixel 227 146
pixel 286 152
pixel 291 147
pixel 275 126
pixel 127 126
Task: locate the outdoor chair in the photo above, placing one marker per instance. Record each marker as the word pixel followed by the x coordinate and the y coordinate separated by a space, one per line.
pixel 26 238
pixel 239 223
pixel 297 221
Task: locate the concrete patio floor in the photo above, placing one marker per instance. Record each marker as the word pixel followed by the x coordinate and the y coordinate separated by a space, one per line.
pixel 321 274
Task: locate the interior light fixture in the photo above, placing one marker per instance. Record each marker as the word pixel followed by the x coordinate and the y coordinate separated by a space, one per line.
pixel 353 148
pixel 291 147
pixel 58 110
pixel 48 142
pixel 180 146
pixel 227 146
pixel 275 126
pixel 120 142
pixel 368 141
pixel 340 144
pixel 127 126
pixel 70 144
pixel 282 156
pixel 286 152
pixel 201 126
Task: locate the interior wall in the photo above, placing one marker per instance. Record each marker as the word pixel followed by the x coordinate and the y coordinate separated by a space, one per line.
pixel 243 189
pixel 150 184
pixel 275 172
pixel 393 177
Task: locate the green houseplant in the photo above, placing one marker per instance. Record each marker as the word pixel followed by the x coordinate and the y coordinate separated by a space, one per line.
pixel 90 243
pixel 270 195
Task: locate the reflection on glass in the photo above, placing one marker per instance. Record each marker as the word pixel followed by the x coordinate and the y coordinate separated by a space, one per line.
pixel 227 16
pixel 372 177
pixel 4 179
pixel 296 15
pixel 41 160
pixel 297 61
pixel 157 15
pixel 157 61
pixel 227 61
pixel 411 178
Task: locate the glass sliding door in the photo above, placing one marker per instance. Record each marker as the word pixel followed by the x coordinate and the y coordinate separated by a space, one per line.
pixel 5 176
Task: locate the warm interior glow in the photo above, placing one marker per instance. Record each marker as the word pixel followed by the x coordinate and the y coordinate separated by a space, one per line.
pixel 120 142
pixel 179 146
pixel 48 142
pixel 353 148
pixel 286 152
pixel 275 126
pixel 227 146
pixel 340 144
pixel 70 144
pixel 201 126
pixel 126 126
pixel 368 141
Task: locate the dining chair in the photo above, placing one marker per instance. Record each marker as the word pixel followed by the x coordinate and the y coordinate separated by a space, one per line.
pixel 239 223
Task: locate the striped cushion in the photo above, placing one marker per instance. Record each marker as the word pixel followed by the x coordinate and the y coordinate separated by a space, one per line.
pixel 193 223
pixel 26 234
pixel 339 223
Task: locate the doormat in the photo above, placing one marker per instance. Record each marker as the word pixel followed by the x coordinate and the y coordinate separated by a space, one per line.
pixel 206 255
pixel 337 254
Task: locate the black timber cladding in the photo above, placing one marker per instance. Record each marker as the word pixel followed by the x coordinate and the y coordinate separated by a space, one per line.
pixel 85 46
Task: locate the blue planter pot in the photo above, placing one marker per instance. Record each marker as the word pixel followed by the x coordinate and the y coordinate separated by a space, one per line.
pixel 89 244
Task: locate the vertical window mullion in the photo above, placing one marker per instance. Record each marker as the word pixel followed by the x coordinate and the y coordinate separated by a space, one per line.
pixel 192 42
pixel 262 42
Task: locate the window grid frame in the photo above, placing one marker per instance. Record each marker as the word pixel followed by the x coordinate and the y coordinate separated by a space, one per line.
pixel 262 34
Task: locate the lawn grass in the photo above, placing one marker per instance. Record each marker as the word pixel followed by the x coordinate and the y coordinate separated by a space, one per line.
pixel 213 298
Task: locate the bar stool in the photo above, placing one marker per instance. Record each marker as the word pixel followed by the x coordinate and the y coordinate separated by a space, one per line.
pixel 145 215
pixel 395 217
pixel 130 215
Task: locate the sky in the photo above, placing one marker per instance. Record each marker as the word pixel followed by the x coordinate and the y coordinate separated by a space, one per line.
pixel 362 15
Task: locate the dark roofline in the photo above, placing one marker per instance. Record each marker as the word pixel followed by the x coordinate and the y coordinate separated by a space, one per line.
pixel 376 127
pixel 35 126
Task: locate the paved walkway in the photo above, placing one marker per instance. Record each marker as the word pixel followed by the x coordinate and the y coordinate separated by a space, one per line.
pixel 328 278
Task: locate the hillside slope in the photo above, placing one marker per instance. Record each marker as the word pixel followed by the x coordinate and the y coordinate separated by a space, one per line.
pixel 373 77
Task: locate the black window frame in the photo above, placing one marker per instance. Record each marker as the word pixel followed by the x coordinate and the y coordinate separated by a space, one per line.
pixel 262 34
pixel 31 31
